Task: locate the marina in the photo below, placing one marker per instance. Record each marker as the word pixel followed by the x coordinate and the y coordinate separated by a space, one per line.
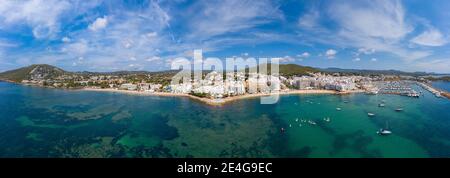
pixel 436 92
pixel 398 87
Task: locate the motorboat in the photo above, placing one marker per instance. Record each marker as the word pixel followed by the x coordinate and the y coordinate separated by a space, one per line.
pixel 370 114
pixel 384 132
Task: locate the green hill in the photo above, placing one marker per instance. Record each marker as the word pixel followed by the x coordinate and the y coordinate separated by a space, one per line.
pixel 36 71
pixel 44 71
pixel 290 69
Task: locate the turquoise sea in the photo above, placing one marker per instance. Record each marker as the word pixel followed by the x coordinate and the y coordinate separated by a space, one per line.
pixel 41 122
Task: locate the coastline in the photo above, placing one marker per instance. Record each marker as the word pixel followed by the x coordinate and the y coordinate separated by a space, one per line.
pixel 222 101
pixel 217 102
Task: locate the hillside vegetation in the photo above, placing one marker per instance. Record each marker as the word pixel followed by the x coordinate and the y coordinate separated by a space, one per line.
pixel 42 71
pixel 289 69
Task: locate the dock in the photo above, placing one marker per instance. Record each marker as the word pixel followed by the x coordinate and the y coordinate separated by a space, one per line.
pixel 436 92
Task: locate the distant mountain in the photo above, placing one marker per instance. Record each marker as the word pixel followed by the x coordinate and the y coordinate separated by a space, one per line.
pixel 45 71
pixel 36 71
pixel 128 72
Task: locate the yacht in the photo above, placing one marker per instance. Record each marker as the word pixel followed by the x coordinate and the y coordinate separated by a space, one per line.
pixel 381 105
pixel 338 109
pixel 384 132
pixel 399 109
pixel 370 114
pixel 312 122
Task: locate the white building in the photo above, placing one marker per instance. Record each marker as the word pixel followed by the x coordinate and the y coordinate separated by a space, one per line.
pixel 128 86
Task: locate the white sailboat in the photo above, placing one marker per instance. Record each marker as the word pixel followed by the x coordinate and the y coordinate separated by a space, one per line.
pixel 384 131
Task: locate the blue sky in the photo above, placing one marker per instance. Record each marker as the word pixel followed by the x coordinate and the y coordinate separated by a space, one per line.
pixel 114 35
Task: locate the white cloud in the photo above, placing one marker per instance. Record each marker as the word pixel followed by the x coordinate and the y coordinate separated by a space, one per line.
pixel 304 55
pixel 127 43
pixel 435 65
pixel 309 20
pixel 214 18
pixel 99 23
pixel 66 39
pixel 129 37
pixel 154 59
pixel 365 51
pixel 7 44
pixel 151 34
pixel 42 17
pixel 378 19
pixel 431 37
pixel 374 59
pixel 78 48
pixel 287 59
pixel 331 53
pixel 357 59
pixel 368 26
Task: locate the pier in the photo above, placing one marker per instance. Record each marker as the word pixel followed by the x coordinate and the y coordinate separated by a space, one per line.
pixel 436 92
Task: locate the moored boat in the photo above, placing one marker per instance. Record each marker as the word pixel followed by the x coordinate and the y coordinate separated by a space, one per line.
pixel 384 131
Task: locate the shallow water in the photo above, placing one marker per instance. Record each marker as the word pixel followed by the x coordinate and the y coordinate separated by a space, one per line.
pixel 39 122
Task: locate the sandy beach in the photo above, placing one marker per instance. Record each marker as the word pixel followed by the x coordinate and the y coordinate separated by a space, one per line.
pixel 218 102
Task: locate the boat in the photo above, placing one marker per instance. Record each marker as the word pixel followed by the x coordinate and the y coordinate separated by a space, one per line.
pixel 370 114
pixel 296 120
pixel 290 125
pixel 345 101
pixel 312 122
pixel 384 131
pixel 338 109
pixel 399 109
pixel 381 105
pixel 327 119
